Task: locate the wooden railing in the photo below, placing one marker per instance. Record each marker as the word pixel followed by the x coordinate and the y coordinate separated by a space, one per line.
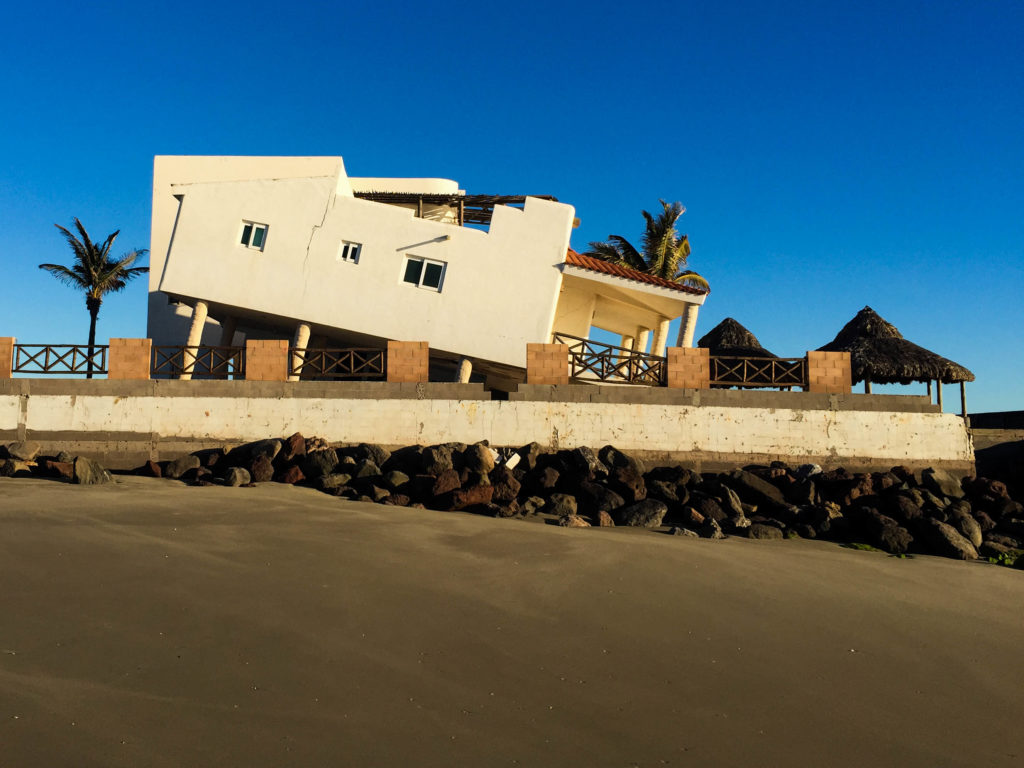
pixel 349 363
pixel 758 371
pixel 594 361
pixel 203 362
pixel 56 359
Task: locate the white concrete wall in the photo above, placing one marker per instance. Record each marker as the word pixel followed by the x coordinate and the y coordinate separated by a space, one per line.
pixel 167 324
pixel 888 438
pixel 499 292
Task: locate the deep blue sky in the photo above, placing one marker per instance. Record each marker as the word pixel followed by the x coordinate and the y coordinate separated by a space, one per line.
pixel 830 155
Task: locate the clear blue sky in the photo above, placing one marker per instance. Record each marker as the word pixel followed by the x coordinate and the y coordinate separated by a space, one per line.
pixel 830 156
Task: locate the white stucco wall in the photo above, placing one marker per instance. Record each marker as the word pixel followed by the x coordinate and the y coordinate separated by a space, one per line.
pixel 499 292
pixel 167 324
pixel 713 432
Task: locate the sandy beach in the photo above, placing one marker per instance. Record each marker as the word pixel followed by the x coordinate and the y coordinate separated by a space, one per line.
pixel 153 624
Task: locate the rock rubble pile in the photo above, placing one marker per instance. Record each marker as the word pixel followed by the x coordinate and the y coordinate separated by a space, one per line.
pixel 899 511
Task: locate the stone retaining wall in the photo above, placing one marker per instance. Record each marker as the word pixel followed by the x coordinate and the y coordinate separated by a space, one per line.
pixel 123 423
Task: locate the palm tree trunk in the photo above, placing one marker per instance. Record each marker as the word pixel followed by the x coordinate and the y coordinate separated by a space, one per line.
pixel 93 305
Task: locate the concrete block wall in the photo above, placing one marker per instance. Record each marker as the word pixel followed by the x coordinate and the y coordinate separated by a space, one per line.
pixel 408 361
pixel 829 372
pixel 689 368
pixel 266 359
pixel 547 364
pixel 6 356
pixel 129 358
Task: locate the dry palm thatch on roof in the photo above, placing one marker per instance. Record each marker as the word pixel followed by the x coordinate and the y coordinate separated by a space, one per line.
pixel 880 354
pixel 730 339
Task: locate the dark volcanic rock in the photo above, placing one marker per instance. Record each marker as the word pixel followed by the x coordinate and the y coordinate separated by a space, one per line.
pixel 291 475
pixel 647 513
pixel 319 463
pixel 261 469
pixel 506 486
pixel 293 448
pixel 62 470
pixel 447 480
pixel 476 494
pixel 594 498
pixel 941 483
pixel 435 459
pixel 944 540
pixel 175 469
pixel 88 472
pixel 885 533
pixel 763 531
pixel 561 504
pixel 752 489
pixel 478 458
pixel 237 476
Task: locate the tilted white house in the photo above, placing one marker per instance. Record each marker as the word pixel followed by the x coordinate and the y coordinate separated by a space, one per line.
pixel 291 247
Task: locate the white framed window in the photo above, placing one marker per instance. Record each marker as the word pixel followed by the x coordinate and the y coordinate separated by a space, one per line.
pixel 254 235
pixel 424 273
pixel 349 252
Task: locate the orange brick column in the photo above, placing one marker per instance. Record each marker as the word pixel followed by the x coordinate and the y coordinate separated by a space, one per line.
pixel 547 364
pixel 829 372
pixel 408 361
pixel 6 356
pixel 129 358
pixel 689 368
pixel 266 359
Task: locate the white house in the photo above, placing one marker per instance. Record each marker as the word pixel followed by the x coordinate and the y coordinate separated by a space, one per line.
pixel 291 247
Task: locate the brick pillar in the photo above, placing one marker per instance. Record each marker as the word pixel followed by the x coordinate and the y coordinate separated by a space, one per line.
pixel 689 368
pixel 829 372
pixel 408 361
pixel 129 358
pixel 266 359
pixel 6 356
pixel 547 364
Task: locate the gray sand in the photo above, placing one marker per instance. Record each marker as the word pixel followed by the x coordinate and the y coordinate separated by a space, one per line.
pixel 151 624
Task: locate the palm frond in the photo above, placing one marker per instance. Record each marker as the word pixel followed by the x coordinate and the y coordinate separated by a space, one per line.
pixel 631 257
pixel 693 280
pixel 65 275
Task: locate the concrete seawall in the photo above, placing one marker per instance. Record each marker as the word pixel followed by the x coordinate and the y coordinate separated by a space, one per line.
pixel 123 423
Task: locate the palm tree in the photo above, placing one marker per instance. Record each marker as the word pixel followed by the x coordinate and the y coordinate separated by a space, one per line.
pixel 95 272
pixel 664 250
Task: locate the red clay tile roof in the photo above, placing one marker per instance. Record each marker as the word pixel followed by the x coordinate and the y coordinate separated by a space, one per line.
pixel 606 267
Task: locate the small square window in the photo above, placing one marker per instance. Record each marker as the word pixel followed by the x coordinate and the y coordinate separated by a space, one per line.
pixel 254 235
pixel 349 252
pixel 424 273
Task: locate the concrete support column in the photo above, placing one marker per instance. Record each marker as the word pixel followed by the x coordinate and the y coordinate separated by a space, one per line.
pixel 465 370
pixel 688 326
pixel 228 327
pixel 299 342
pixel 660 338
pixel 643 335
pixel 627 342
pixel 195 337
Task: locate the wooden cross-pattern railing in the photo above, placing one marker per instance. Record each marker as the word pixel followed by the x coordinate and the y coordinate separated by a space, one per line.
pixel 56 359
pixel 758 371
pixel 203 362
pixel 348 363
pixel 592 360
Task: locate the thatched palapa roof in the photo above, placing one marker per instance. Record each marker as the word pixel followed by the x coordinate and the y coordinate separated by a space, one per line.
pixel 880 354
pixel 730 339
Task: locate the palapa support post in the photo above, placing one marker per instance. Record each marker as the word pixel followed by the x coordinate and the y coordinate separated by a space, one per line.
pixel 963 399
pixel 938 394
